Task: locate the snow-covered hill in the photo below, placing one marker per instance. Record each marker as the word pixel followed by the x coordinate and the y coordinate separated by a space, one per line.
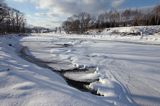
pixel 132 31
pixel 128 31
pixel 144 34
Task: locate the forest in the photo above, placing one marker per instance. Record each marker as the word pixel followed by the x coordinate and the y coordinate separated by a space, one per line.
pixel 80 23
pixel 11 20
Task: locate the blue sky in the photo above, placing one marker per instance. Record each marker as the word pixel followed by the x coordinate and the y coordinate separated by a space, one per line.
pixel 50 13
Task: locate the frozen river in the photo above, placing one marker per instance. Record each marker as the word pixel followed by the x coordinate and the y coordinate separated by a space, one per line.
pixel 127 73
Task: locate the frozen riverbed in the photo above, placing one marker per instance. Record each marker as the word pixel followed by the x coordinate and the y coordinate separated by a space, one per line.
pixel 128 73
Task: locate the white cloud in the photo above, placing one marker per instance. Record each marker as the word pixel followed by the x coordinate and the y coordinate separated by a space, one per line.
pixel 38 20
pixel 44 4
pixel 117 3
pixel 60 9
pixel 22 1
pixel 75 6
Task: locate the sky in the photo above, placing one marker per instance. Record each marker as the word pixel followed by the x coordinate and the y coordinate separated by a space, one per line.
pixel 51 13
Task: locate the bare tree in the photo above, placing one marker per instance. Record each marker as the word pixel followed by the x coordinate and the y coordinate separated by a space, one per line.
pixel 157 14
pixel 84 19
pixel 130 17
pixel 12 20
pixel 77 23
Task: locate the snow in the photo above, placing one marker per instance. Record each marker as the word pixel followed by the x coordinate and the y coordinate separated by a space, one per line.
pixel 136 34
pixel 145 30
pixel 25 84
pixel 123 70
pixel 81 76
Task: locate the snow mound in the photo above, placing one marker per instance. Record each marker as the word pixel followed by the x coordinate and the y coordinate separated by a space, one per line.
pixel 136 30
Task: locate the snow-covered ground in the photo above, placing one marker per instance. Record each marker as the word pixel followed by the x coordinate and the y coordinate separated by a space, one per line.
pixel 25 84
pixel 121 73
pixel 136 34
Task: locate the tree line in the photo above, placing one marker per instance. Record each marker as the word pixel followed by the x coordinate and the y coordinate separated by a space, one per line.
pixel 11 20
pixel 83 22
